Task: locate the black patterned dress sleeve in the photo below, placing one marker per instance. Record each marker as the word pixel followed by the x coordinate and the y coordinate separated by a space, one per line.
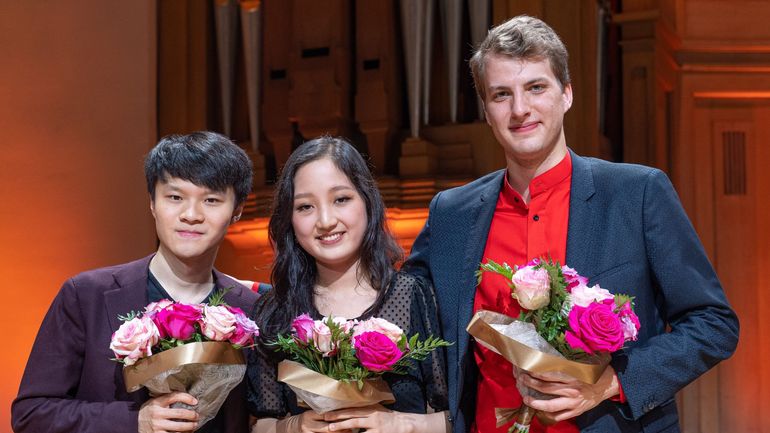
pixel 425 321
pixel 265 396
pixel 410 304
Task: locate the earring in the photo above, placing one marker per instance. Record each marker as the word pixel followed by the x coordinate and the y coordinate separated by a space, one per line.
pixel 236 218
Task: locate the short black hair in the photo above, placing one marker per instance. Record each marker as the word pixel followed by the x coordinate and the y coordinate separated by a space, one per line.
pixel 204 158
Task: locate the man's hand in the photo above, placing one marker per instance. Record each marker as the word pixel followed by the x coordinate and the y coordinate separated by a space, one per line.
pixel 573 397
pixel 156 415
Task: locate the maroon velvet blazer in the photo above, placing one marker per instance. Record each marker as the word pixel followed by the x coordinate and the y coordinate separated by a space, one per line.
pixel 71 385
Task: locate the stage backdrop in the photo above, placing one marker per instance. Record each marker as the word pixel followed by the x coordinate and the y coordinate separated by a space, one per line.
pixel 77 114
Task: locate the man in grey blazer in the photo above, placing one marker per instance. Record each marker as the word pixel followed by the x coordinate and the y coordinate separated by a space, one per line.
pixel 197 184
pixel 620 225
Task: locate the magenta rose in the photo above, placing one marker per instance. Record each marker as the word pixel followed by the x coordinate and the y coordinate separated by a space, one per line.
pixel 376 351
pixel 245 329
pixel 629 321
pixel 177 321
pixel 303 328
pixel 572 278
pixel 596 328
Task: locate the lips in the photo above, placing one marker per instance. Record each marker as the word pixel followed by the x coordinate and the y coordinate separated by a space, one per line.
pixel 189 234
pixel 330 238
pixel 524 127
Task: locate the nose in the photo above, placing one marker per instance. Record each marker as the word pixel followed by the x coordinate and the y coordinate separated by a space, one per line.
pixel 192 214
pixel 327 219
pixel 520 108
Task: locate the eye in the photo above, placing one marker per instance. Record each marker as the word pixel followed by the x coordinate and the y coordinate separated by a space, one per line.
pixel 343 199
pixel 537 88
pixel 302 207
pixel 174 197
pixel 213 200
pixel 500 95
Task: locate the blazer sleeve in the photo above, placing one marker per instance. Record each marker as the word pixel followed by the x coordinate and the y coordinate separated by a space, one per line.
pixel 703 327
pixel 48 395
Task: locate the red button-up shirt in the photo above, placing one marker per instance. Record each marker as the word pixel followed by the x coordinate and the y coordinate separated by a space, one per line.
pixel 519 232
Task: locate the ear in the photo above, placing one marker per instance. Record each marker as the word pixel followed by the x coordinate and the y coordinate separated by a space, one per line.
pixel 484 109
pixel 152 206
pixel 237 214
pixel 567 97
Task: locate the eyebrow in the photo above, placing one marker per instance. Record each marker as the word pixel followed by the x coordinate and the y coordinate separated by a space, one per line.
pixel 535 80
pixel 333 189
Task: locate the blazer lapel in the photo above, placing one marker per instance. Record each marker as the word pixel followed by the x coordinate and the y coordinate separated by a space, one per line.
pixel 582 213
pixel 479 221
pixel 130 292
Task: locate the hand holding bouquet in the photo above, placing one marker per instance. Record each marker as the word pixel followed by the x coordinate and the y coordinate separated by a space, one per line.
pixel 192 348
pixel 336 363
pixel 568 327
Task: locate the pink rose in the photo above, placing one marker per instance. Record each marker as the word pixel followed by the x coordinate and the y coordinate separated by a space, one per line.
pixel 134 339
pixel 217 323
pixel 177 321
pixel 154 307
pixel 376 351
pixel 245 329
pixel 629 321
pixel 572 278
pixel 532 287
pixel 583 296
pixel 382 326
pixel 303 328
pixel 595 328
pixel 322 338
pixel 344 324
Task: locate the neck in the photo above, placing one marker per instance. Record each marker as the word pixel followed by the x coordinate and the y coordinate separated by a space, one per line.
pixel 343 292
pixel 339 278
pixel 188 281
pixel 521 171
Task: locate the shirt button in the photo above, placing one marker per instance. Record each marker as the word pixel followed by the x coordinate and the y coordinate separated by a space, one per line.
pixel 536 217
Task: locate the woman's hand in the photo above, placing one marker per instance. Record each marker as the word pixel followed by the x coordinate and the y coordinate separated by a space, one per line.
pixel 377 419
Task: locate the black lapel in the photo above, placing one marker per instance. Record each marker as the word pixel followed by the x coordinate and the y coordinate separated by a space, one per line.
pixel 582 214
pixel 478 230
pixel 130 292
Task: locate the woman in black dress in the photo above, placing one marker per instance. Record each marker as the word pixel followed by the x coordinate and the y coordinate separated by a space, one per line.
pixel 335 256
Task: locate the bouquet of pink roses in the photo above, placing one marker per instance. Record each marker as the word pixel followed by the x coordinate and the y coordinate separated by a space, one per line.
pixel 568 326
pixel 337 363
pixel 193 348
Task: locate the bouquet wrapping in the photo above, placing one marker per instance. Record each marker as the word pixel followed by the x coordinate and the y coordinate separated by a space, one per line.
pixel 192 348
pixel 324 394
pixel 207 370
pixel 337 363
pixel 569 327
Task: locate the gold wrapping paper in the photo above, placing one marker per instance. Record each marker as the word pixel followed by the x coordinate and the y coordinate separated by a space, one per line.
pixel 333 393
pixel 209 352
pixel 525 357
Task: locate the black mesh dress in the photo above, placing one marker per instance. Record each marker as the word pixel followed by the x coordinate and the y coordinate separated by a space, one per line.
pixel 410 303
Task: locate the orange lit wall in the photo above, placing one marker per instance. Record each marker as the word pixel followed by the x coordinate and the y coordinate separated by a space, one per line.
pixel 77 114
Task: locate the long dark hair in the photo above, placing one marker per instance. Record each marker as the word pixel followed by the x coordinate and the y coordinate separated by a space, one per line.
pixel 294 270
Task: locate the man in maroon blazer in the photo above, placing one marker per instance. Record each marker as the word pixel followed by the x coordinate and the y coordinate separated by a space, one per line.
pixel 197 184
